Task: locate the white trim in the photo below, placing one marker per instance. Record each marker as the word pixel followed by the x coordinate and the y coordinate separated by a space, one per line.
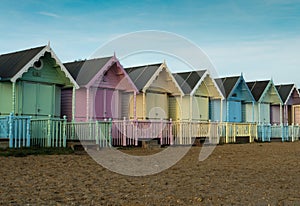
pixel 161 67
pixel 36 58
pixel 288 97
pixel 270 84
pixel 206 73
pixel 105 68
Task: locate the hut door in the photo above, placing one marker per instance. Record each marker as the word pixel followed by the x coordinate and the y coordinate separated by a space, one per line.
pixel 157 106
pixel 265 113
pixel 235 111
pixel 37 99
pixel 124 102
pixel 297 115
pixel 275 114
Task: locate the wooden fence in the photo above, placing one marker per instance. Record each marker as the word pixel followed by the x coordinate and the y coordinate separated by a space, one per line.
pixel 129 132
pixel 16 129
pixel 23 131
pixel 268 132
pixel 92 132
pixel 48 132
pixel 185 132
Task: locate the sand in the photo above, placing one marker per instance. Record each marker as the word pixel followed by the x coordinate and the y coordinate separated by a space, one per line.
pixel 235 174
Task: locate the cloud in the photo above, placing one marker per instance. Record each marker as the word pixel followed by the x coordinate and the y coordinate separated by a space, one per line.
pixel 260 59
pixel 48 14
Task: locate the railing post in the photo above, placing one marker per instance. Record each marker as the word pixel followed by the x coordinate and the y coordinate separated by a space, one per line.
pixel 293 136
pixel 97 135
pixel 73 129
pixel 90 130
pixel 282 127
pixel 227 132
pixel 250 132
pixel 10 131
pixel 64 131
pixel 49 133
pixel 180 132
pixel 110 132
pixel 269 132
pixel 28 132
pixel 263 131
pixel 135 132
pixel 190 132
pixel 171 132
pixel 210 138
pixel 234 132
pixel 124 132
pixel 161 131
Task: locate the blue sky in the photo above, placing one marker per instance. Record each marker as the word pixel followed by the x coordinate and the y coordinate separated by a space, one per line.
pixel 260 38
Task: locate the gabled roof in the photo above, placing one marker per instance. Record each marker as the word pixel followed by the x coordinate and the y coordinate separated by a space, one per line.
pixel 141 75
pixel 285 91
pixel 188 80
pixel 144 76
pixel 227 84
pixel 86 72
pixel 14 65
pixel 257 88
pixel 90 68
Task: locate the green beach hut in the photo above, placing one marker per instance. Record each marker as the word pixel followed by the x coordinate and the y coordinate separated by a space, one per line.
pixel 31 81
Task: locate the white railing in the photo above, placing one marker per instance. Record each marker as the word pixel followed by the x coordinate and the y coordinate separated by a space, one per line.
pixel 92 132
pixel 129 132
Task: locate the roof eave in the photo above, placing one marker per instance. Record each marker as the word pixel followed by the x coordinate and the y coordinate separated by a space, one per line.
pixel 36 58
pixel 163 65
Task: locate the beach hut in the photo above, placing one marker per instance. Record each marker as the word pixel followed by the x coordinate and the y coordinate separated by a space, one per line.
pixel 199 89
pixel 290 97
pixel 266 96
pixel 156 86
pixel 238 105
pixel 31 81
pixel 105 90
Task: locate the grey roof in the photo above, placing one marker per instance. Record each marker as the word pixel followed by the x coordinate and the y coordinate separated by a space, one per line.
pixel 284 91
pixel 188 80
pixel 12 63
pixel 140 75
pixel 257 88
pixel 226 84
pixel 83 71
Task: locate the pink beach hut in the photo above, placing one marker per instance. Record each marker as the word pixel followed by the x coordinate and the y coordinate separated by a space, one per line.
pixel 290 97
pixel 105 90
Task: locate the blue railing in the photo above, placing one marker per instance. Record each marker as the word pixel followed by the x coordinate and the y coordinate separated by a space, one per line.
pixel 16 129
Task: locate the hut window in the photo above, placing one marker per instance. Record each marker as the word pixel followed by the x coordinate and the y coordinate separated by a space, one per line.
pixel 38 64
pixel 234 95
pixel 104 77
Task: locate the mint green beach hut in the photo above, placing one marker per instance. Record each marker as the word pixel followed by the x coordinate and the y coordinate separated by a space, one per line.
pixel 31 81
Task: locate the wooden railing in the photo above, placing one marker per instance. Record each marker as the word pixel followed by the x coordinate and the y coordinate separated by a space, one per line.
pixel 185 132
pixel 268 132
pixel 92 132
pixel 54 132
pixel 232 131
pixel 16 129
pixel 49 132
pixel 128 132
